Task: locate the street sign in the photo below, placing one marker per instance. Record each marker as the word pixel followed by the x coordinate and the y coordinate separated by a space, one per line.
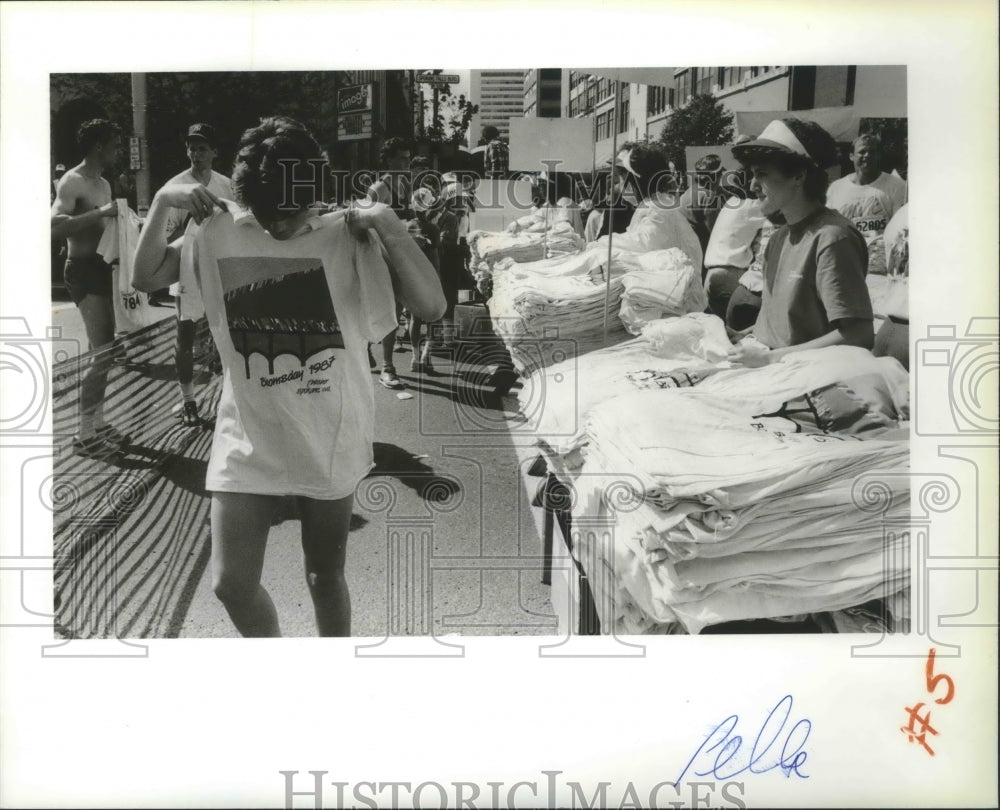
pixel 354 126
pixel 355 98
pixel 134 155
pixel 438 78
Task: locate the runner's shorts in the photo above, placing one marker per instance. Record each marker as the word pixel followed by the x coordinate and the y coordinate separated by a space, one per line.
pixel 87 275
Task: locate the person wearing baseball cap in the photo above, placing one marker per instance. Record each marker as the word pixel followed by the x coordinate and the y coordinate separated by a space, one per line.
pixel 200 143
pixel 814 293
pixel 703 199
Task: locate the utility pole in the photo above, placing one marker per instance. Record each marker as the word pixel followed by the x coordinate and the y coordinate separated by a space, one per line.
pixel 142 185
pixel 434 120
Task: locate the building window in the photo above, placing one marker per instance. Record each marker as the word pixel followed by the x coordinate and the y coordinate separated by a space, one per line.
pixel 683 83
pixel 705 76
pixel 604 125
pixel 623 117
pixel 656 99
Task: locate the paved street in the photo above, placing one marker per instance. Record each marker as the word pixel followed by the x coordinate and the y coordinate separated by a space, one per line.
pixel 446 493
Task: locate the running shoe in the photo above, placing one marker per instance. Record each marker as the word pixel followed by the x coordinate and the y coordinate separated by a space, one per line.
pixel 95 447
pixel 189 414
pixel 113 435
pixel 389 379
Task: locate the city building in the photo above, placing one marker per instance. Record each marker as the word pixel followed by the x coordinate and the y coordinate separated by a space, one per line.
pixel 543 93
pixel 373 106
pixel 868 90
pixel 500 96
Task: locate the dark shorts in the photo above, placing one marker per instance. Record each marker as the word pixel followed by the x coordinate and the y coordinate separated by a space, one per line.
pixel 87 275
pixel 893 340
pixel 743 308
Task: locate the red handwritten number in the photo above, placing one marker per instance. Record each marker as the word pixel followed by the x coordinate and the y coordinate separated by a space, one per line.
pixel 933 680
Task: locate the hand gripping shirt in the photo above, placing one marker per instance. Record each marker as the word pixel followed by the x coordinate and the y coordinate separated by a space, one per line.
pixel 190 306
pixel 292 319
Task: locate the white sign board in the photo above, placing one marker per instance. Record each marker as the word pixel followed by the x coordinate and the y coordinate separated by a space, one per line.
pixel 535 143
pixel 500 202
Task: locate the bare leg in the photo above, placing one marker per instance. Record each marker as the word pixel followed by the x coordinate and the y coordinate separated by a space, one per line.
pixel 184 354
pixel 240 525
pixel 99 321
pixel 388 346
pixel 414 327
pixel 389 341
pixel 325 526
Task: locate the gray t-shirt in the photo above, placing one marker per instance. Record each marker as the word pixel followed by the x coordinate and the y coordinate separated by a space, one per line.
pixel 814 275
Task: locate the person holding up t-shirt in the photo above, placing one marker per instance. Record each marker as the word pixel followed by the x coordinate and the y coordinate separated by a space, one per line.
pixel 200 145
pixel 292 297
pixel 814 266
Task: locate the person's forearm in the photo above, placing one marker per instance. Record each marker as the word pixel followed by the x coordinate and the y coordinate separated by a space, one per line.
pixel 151 248
pixel 854 335
pixel 416 282
pixel 64 225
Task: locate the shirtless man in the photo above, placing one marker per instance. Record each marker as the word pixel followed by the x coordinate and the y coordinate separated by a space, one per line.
pixel 83 203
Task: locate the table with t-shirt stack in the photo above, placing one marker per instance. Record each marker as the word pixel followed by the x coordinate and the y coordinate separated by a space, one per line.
pixel 550 295
pixel 696 497
pixel 690 496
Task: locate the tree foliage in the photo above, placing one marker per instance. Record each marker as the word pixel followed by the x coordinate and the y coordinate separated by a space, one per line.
pixel 454 115
pixel 703 121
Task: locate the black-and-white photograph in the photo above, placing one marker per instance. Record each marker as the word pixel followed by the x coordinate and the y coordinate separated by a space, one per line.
pixel 428 352
pixel 396 412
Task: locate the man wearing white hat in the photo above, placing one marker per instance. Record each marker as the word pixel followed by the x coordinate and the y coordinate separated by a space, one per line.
pixel 814 266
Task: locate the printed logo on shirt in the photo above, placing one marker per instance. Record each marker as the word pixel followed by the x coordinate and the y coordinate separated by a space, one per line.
pixel 280 306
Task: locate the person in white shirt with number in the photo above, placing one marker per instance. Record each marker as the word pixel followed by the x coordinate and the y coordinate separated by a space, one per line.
pixel 201 151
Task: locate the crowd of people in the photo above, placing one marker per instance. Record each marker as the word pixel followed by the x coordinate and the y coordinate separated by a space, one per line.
pixel 297 289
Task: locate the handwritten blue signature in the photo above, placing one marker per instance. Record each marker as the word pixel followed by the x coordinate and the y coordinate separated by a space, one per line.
pixel 731 758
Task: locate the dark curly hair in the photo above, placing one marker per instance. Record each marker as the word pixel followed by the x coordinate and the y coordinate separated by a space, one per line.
pixel 650 166
pixel 391 148
pixel 278 170
pixel 96 132
pixel 820 145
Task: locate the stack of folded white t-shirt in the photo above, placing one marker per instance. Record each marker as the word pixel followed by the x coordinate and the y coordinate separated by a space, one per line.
pixel 558 398
pixel 567 297
pixel 665 284
pixel 488 247
pixel 545 318
pixel 736 499
pixel 558 234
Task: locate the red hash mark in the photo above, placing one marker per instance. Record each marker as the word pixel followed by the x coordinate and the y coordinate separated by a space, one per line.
pixel 911 731
pixel 925 727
